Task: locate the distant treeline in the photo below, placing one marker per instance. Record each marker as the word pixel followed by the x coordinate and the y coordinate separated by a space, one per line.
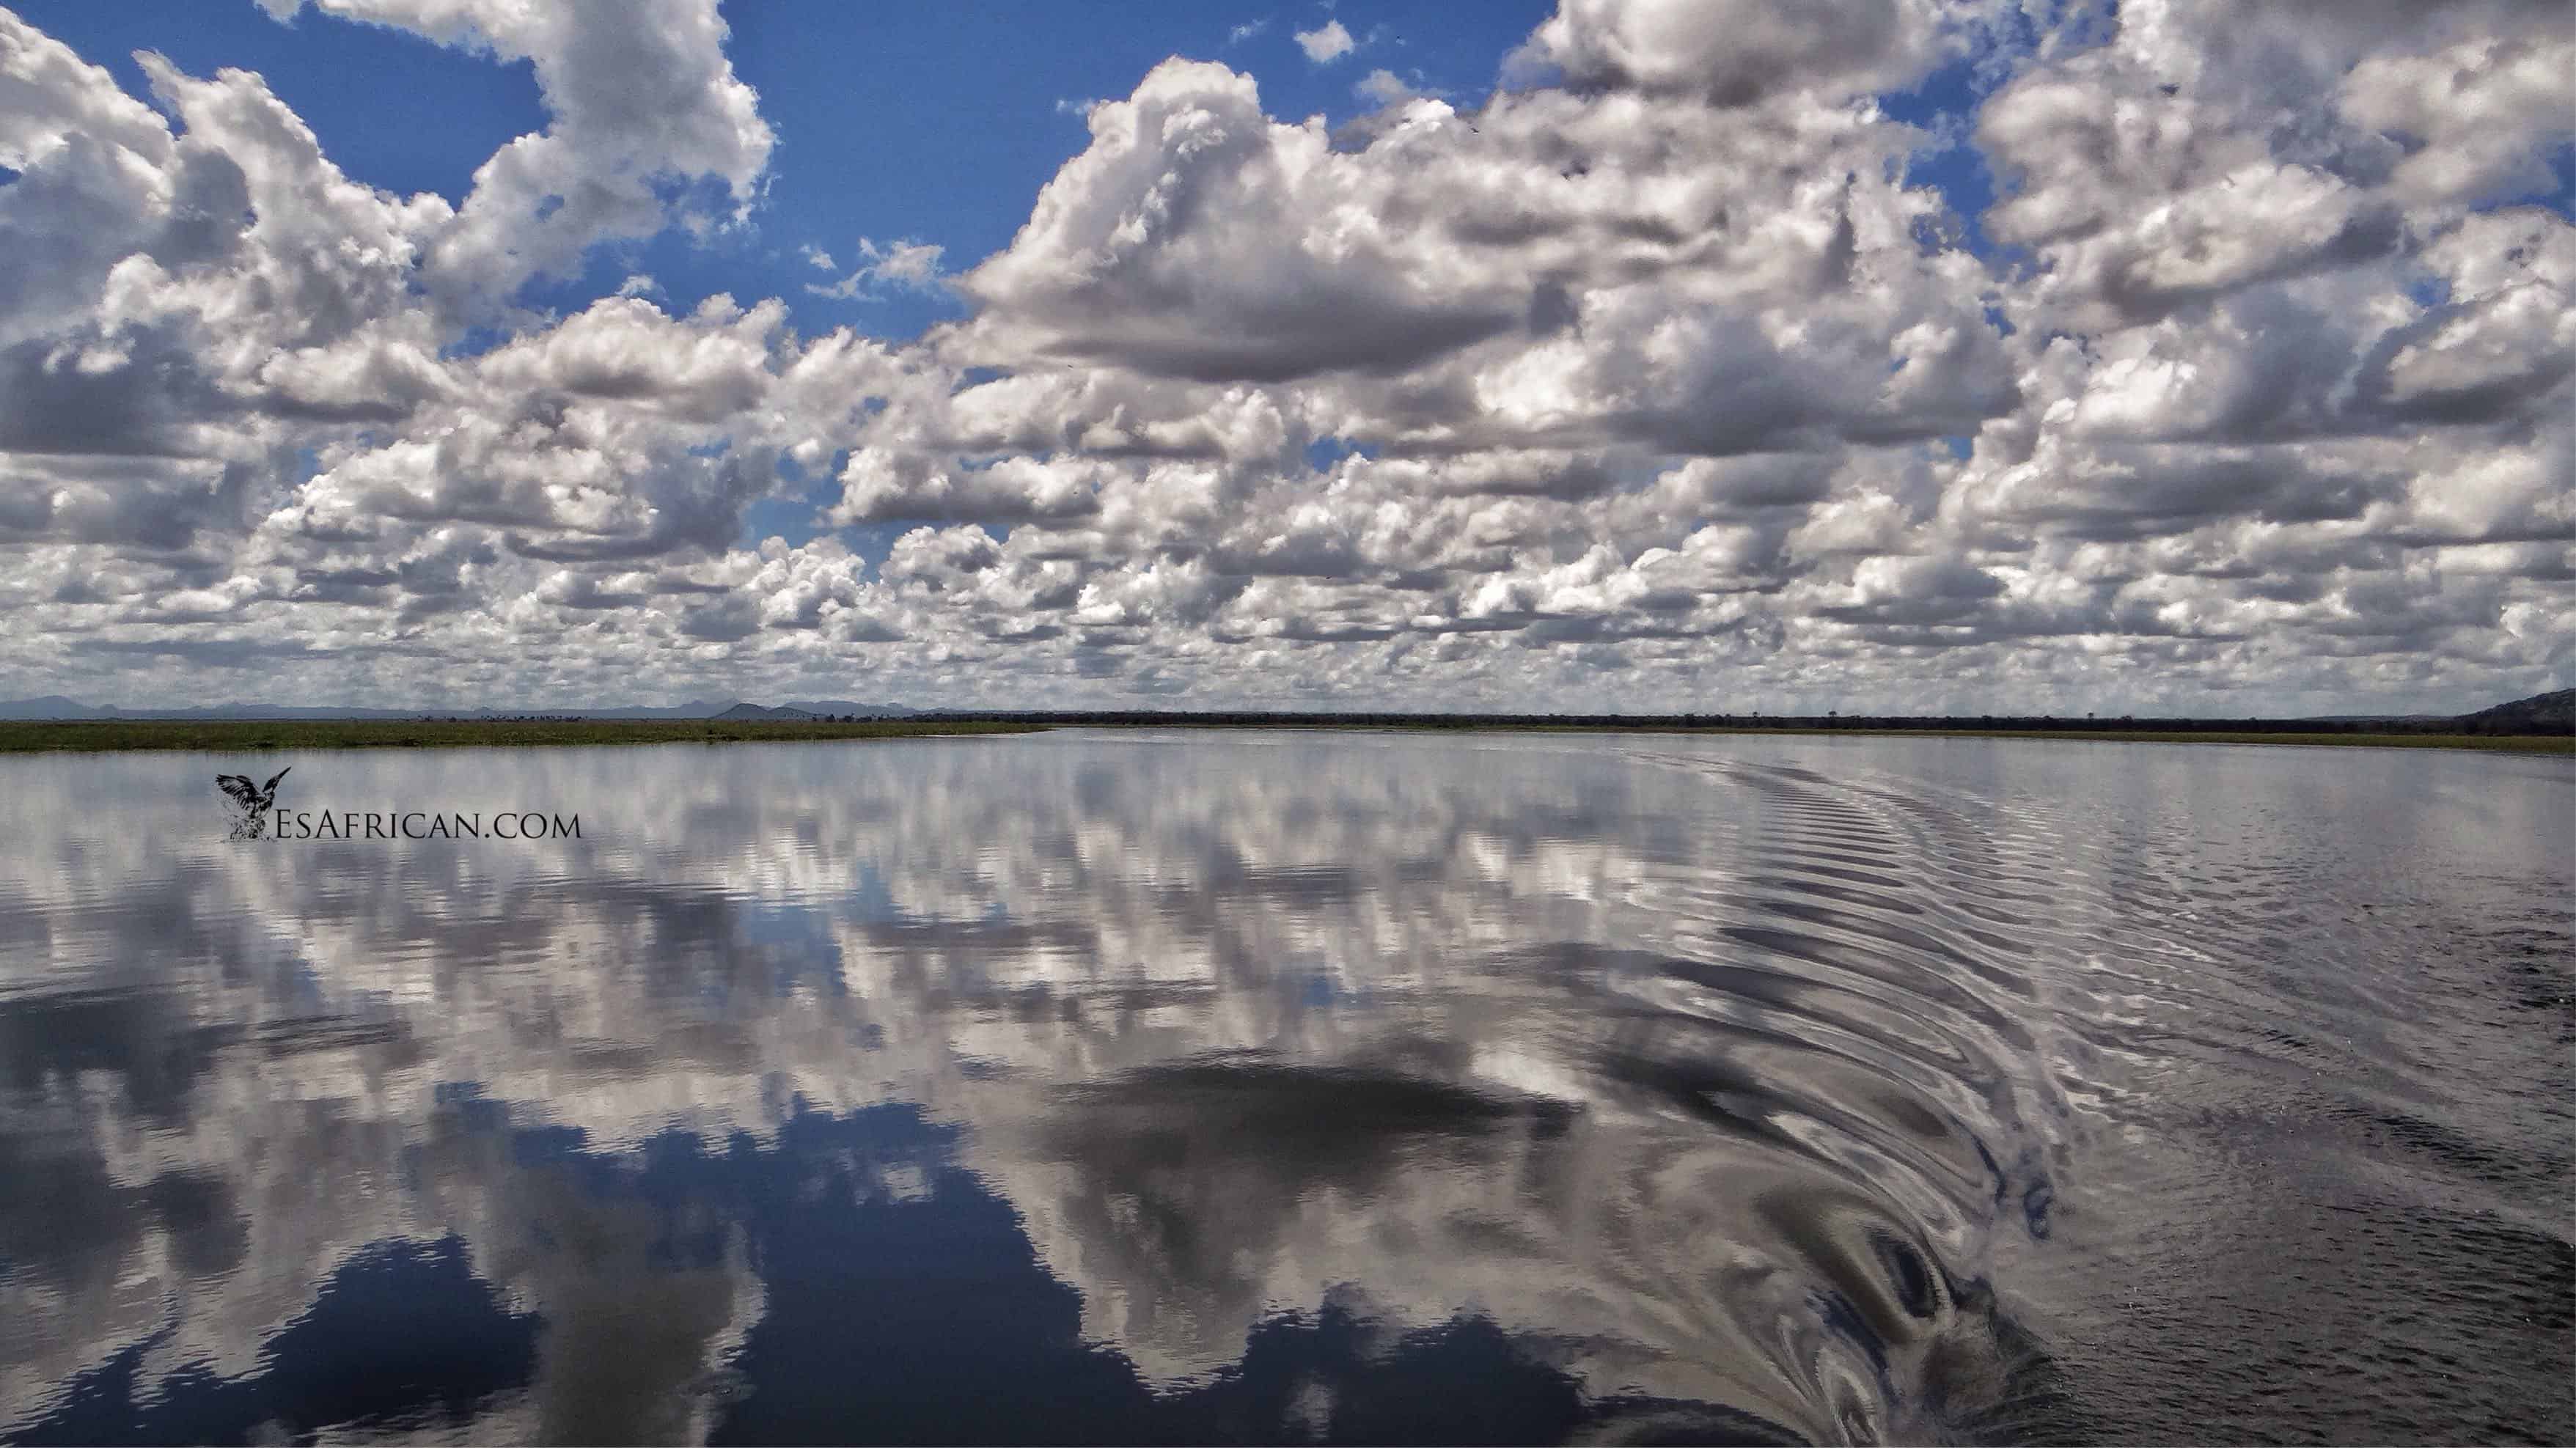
pixel 1767 723
pixel 431 731
pixel 674 719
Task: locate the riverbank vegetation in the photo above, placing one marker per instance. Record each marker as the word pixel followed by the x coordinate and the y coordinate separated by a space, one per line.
pixel 432 732
pixel 429 732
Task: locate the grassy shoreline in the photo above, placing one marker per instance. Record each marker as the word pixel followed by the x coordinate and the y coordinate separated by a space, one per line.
pixel 99 736
pixel 2515 743
pixel 2518 743
pixel 87 736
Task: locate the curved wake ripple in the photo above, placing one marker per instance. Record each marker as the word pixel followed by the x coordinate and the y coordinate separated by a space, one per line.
pixel 1282 1087
pixel 1923 1009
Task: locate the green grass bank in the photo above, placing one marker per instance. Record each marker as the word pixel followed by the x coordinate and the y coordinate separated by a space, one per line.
pixel 245 735
pixel 240 735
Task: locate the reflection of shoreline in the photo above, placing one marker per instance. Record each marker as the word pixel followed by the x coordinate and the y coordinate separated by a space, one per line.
pixel 1111 979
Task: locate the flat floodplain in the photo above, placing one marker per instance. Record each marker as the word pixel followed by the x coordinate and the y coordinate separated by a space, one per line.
pixel 1364 1086
pixel 236 735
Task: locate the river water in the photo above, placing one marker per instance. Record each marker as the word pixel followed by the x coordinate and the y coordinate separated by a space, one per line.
pixel 1296 1086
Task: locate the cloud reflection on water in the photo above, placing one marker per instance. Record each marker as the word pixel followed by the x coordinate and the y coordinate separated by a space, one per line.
pixel 1258 1087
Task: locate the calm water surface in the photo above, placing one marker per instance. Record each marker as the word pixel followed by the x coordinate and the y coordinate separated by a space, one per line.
pixel 1297 1086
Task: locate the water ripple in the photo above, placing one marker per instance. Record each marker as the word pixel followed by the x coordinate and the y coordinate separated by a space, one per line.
pixel 1290 1087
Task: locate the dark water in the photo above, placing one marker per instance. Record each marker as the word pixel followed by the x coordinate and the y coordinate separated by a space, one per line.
pixel 1283 1087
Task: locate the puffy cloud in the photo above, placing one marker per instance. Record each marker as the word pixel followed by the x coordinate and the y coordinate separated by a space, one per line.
pixel 705 368
pixel 880 484
pixel 2478 113
pixel 1197 237
pixel 1733 52
pixel 637 94
pixel 98 179
pixel 908 265
pixel 1660 378
pixel 1326 43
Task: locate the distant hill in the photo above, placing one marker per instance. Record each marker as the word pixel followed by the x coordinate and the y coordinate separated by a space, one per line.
pixel 51 706
pixel 754 711
pixel 55 706
pixel 2550 713
pixel 844 706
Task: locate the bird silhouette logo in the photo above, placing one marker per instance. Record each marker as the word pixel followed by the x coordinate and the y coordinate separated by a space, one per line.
pixel 251 802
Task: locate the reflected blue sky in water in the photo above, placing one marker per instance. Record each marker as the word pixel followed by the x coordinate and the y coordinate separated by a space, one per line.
pixel 1176 1088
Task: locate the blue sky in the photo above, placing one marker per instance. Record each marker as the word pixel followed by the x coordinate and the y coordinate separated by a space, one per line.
pixel 931 123
pixel 934 123
pixel 895 123
pixel 1614 353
